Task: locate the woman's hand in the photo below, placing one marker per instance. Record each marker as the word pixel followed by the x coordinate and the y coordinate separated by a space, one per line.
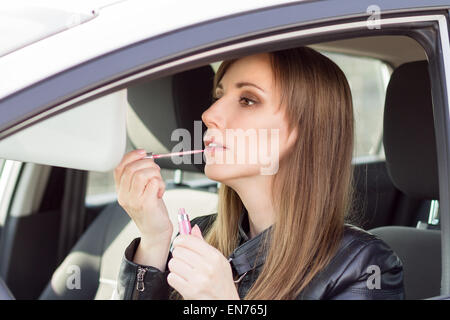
pixel 200 271
pixel 140 188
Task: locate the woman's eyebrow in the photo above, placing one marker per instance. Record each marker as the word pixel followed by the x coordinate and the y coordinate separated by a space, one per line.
pixel 242 84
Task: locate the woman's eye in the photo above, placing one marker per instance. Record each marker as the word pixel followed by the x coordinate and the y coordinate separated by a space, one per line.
pixel 248 101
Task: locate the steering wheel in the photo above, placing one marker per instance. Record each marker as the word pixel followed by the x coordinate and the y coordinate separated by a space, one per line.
pixel 5 293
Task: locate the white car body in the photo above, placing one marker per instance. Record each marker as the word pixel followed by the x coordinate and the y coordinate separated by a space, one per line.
pixel 108 25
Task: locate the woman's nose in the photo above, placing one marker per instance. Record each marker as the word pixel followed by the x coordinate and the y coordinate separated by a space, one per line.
pixel 212 117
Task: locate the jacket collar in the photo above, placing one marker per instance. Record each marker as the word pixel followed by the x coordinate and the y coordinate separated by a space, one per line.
pixel 250 253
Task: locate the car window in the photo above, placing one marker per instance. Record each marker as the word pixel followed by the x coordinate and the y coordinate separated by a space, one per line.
pixel 368 79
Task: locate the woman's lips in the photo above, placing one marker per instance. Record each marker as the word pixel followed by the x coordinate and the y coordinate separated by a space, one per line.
pixel 214 146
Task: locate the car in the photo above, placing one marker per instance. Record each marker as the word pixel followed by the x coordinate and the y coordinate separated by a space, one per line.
pixel 82 83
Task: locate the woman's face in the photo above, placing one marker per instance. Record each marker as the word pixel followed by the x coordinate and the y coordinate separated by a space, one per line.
pixel 248 121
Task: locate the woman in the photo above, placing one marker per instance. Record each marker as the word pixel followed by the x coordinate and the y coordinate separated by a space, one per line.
pixel 280 235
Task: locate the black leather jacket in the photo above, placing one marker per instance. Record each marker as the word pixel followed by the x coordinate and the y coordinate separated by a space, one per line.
pixel 351 274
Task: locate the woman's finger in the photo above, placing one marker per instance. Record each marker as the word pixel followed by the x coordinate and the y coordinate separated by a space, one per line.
pixel 188 256
pixel 150 192
pixel 130 170
pixel 178 283
pixel 195 244
pixel 161 190
pixel 141 178
pixel 181 268
pixel 127 158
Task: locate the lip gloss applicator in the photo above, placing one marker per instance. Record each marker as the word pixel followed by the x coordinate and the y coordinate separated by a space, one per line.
pixel 184 225
pixel 150 155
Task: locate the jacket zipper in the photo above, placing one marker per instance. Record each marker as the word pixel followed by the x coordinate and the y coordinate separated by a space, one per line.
pixel 140 279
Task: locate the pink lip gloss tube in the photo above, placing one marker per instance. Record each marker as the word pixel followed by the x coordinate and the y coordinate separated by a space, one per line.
pixel 184 224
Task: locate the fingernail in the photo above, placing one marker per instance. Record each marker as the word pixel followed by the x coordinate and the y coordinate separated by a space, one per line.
pixel 141 151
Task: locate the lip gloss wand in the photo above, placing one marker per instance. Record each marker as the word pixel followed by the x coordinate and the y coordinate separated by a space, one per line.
pixel 150 155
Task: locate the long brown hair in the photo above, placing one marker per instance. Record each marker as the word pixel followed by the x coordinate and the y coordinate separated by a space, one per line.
pixel 312 189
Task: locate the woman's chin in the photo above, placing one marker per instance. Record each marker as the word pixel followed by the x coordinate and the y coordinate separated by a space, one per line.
pixel 216 172
pixel 225 172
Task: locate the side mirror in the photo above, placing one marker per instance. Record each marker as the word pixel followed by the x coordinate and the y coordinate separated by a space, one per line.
pixel 90 137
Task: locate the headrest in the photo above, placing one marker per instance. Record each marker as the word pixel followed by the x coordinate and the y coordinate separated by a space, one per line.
pixel 408 132
pixel 170 103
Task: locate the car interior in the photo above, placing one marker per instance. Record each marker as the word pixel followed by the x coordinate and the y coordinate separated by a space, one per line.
pixel 64 221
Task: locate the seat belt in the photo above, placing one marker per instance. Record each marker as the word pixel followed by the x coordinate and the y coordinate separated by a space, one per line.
pixel 73 213
pixel 433 218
